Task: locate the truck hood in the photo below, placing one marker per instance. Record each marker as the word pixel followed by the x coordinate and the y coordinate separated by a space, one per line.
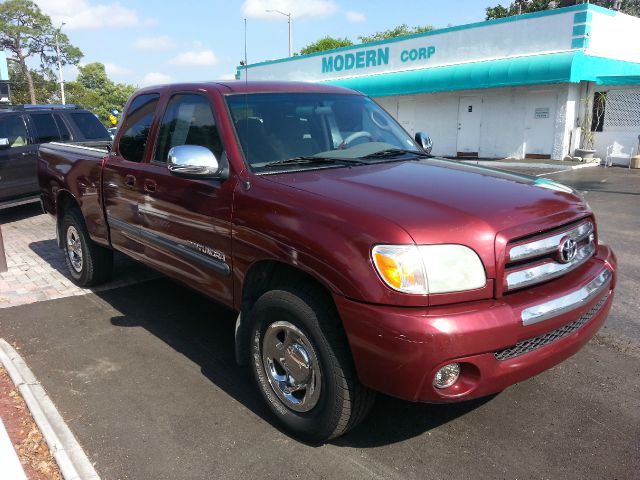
pixel 442 201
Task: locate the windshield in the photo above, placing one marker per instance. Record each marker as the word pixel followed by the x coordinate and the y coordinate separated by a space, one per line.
pixel 284 131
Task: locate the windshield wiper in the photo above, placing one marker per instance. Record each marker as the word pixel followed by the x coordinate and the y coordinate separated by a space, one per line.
pixel 395 152
pixel 303 160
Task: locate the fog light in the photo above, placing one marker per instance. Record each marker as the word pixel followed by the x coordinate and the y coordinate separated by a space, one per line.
pixel 447 375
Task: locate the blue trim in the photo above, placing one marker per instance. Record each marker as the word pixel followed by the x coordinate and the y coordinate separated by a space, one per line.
pixel 566 67
pixel 581 30
pixel 584 8
pixel 580 42
pixel 583 17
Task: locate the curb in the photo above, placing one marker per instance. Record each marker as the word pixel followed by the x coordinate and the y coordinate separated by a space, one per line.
pixel 71 459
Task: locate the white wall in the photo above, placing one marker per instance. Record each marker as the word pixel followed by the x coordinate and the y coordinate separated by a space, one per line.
pixel 503 119
pixel 615 36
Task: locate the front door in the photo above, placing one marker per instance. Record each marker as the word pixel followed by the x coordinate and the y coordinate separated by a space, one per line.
pixel 186 222
pixel 539 124
pixel 469 118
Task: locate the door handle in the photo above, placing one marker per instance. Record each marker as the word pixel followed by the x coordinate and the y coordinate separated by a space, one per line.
pixel 25 154
pixel 149 186
pixel 130 180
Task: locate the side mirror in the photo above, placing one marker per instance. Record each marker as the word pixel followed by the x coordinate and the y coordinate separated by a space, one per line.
pixel 4 143
pixel 193 161
pixel 424 140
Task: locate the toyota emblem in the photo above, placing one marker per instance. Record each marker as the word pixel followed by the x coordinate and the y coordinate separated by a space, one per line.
pixel 568 250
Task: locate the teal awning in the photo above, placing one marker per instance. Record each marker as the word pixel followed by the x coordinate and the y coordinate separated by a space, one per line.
pixel 565 67
pixel 618 80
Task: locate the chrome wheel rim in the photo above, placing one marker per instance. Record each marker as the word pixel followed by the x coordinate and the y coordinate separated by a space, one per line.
pixel 74 248
pixel 291 366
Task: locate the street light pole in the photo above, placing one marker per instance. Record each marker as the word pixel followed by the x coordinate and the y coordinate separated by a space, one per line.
pixel 60 66
pixel 288 15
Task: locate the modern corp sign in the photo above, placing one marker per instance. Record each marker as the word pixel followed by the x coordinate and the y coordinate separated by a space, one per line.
pixel 372 57
pixel 450 46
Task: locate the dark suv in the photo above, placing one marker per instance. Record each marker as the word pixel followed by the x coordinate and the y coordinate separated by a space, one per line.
pixel 23 128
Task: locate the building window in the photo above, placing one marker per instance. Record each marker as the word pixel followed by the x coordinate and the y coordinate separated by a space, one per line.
pixel 623 110
pixel 597 114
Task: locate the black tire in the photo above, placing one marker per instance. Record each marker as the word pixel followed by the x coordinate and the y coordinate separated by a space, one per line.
pixel 342 403
pixel 90 264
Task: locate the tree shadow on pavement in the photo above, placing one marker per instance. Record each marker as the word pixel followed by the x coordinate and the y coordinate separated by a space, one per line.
pixel 203 331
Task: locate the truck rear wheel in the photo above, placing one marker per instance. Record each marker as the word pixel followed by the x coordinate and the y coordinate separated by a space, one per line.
pixel 302 365
pixel 89 264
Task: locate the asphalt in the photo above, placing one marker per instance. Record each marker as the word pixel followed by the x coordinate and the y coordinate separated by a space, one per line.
pixel 145 377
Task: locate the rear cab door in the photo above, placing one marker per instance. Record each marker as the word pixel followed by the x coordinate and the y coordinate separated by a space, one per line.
pixel 122 175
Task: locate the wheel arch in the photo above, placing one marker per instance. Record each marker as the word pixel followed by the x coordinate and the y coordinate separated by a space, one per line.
pixel 262 276
pixel 64 202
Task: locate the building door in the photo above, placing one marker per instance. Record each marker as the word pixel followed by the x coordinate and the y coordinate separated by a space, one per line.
pixel 539 124
pixel 469 117
pixel 407 114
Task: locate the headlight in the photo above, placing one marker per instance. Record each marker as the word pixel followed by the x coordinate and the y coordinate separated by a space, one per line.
pixel 429 268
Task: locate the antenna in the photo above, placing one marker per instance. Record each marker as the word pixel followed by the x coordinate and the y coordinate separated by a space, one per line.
pixel 245 50
pixel 246 95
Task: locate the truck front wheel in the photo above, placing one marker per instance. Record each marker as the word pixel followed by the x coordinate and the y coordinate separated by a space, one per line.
pixel 89 264
pixel 302 364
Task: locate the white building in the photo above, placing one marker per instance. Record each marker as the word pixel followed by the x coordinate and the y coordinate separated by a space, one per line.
pixel 521 86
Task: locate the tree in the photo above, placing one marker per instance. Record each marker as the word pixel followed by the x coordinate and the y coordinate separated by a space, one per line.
pixel 326 43
pixel 26 32
pixel 96 92
pixel 45 86
pixel 399 31
pixel 631 7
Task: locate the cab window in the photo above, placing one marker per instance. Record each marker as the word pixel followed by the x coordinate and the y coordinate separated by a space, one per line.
pixel 188 120
pixel 135 129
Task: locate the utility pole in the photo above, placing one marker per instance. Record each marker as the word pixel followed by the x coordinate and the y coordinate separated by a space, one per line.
pixel 60 65
pixel 288 15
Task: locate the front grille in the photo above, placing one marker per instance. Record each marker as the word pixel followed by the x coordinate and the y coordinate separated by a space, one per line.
pixel 527 346
pixel 548 255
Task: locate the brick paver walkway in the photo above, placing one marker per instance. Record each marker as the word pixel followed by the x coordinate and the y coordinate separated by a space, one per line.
pixel 36 267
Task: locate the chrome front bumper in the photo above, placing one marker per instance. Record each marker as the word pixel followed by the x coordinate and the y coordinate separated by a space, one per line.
pixel 566 303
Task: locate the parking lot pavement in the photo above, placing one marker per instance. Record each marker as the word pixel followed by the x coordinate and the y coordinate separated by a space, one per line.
pixel 36 267
pixel 146 378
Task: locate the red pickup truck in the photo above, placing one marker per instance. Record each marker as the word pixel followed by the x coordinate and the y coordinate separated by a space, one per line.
pixel 356 261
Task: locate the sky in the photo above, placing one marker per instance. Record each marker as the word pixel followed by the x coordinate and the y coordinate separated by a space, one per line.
pixel 148 42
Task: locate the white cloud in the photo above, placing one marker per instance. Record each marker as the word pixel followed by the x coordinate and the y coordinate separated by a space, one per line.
pixel 82 14
pixel 113 69
pixel 153 43
pixel 198 58
pixel 355 16
pixel 154 78
pixel 227 76
pixel 297 8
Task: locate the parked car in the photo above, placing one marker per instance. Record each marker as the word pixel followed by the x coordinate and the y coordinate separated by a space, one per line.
pixel 356 261
pixel 22 129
